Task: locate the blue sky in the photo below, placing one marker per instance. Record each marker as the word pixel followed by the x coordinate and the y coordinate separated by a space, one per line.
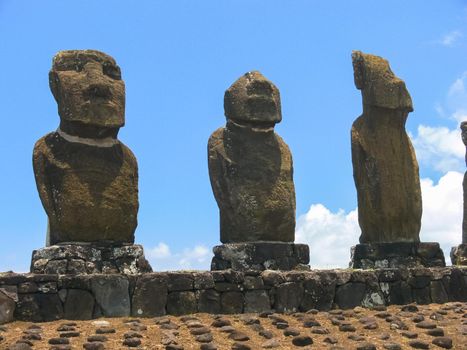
pixel 178 58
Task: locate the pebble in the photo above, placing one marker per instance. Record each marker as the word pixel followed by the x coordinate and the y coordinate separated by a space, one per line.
pixel 200 330
pixel 266 334
pixel 418 344
pixel 70 334
pixel 20 346
pixel 94 346
pixel 356 337
pixel 132 342
pixel 392 346
pixel 238 336
pixel 436 332
pixel 97 338
pixel 271 343
pixel 173 347
pixel 443 342
pixel 61 347
pixel 426 325
pixel 208 346
pixel 319 330
pixel 100 323
pixel 291 332
pixel 410 335
pixel 367 346
pixel 302 340
pixel 132 335
pixel 204 338
pixel 409 308
pixel 240 346
pixel 226 329
pixel 55 341
pixel 330 340
pixel 221 323
pixel 105 330
pixel 346 327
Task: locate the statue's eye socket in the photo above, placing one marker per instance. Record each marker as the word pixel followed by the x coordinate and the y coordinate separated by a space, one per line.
pixel 112 72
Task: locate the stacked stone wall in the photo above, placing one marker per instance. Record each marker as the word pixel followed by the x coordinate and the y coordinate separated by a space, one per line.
pixel 49 297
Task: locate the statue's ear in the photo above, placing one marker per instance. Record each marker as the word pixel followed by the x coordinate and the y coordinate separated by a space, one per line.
pixel 358 69
pixel 54 83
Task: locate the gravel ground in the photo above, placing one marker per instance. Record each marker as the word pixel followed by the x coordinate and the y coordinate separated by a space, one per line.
pixel 395 327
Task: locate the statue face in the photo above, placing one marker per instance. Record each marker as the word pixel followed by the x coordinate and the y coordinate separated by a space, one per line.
pixel 253 99
pixel 88 88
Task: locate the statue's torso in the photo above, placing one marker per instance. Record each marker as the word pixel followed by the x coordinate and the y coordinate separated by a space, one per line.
pixel 252 178
pixel 387 181
pixel 92 191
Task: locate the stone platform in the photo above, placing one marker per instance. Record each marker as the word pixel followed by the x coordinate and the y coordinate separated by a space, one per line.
pixel 396 255
pixel 459 255
pixel 82 258
pixel 39 297
pixel 261 256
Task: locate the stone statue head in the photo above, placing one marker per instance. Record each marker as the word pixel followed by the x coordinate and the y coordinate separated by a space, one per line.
pixel 88 88
pixel 380 87
pixel 253 99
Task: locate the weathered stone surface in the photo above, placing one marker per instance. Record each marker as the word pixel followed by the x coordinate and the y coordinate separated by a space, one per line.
pixel 112 294
pixel 459 253
pixel 250 166
pixel 396 255
pixel 288 297
pixel 181 303
pixel 209 300
pixel 150 295
pixel 385 167
pixel 89 258
pixel 38 307
pixel 261 256
pixel 350 295
pixel 79 305
pixel 87 179
pixel 257 301
pixel 319 292
pixel 7 305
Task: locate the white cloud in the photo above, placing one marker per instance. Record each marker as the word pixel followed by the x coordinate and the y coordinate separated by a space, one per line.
pixel 443 211
pixel 450 38
pixel 440 148
pixel 456 100
pixel 161 258
pixel 160 251
pixel 330 235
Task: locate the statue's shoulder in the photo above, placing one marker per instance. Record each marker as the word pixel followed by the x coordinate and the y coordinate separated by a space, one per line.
pixel 128 154
pixel 216 139
pixel 43 145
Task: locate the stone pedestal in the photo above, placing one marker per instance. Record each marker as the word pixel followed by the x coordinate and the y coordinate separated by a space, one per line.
pixel 261 256
pixel 459 255
pixel 85 258
pixel 396 255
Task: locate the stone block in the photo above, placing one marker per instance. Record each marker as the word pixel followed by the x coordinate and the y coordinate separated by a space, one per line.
pixel 182 303
pixel 209 301
pixel 257 301
pixel 150 295
pixel 350 295
pixel 112 294
pixel 288 297
pixel 79 305
pixel 232 302
pixel 7 305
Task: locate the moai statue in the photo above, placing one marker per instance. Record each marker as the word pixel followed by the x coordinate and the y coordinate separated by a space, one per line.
pixel 459 253
pixel 386 173
pixel 251 173
pixel 86 178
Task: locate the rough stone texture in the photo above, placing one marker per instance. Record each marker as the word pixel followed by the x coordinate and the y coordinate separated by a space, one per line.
pixel 89 259
pixel 86 178
pixel 50 297
pixel 396 255
pixel 150 295
pixel 8 300
pixel 250 166
pixel 385 167
pixel 261 256
pixel 459 253
pixel 112 294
